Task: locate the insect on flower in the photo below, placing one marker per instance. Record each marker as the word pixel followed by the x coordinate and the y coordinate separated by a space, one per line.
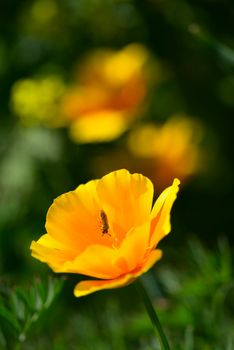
pixel 105 226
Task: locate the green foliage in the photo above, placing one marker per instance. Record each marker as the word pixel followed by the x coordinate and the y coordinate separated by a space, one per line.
pixel 199 306
pixel 20 308
pixel 193 295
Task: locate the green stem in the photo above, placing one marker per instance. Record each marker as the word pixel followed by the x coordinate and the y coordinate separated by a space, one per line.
pixel 18 346
pixel 153 316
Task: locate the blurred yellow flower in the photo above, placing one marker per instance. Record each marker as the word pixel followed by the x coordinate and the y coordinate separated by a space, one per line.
pixel 172 149
pixel 110 85
pixel 106 229
pixel 106 125
pixel 37 101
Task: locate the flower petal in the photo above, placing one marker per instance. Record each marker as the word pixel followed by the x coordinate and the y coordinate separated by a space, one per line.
pixel 160 224
pixel 135 245
pixel 73 218
pixel 48 241
pixel 127 200
pixel 96 261
pixel 87 287
pixel 46 249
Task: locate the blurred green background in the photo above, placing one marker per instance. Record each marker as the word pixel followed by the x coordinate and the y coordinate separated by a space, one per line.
pixel 48 57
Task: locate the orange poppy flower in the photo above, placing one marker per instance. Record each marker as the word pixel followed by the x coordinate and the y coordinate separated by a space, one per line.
pixel 106 229
pixel 108 95
pixel 169 150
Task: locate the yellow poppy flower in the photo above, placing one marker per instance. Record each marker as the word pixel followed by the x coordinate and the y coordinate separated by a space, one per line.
pixel 170 150
pixel 110 90
pixel 106 229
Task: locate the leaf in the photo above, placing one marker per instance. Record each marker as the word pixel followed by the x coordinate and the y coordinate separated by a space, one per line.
pixel 9 317
pixel 54 287
pixel 2 340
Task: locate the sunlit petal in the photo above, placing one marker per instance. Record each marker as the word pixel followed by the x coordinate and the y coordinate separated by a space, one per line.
pixel 134 246
pixel 135 195
pixel 73 218
pixel 86 287
pixel 160 215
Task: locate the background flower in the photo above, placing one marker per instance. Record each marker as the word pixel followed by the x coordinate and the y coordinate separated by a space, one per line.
pixel 109 91
pixel 37 101
pixel 172 149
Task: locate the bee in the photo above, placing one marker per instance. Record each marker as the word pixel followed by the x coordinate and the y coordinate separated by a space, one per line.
pixel 104 223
